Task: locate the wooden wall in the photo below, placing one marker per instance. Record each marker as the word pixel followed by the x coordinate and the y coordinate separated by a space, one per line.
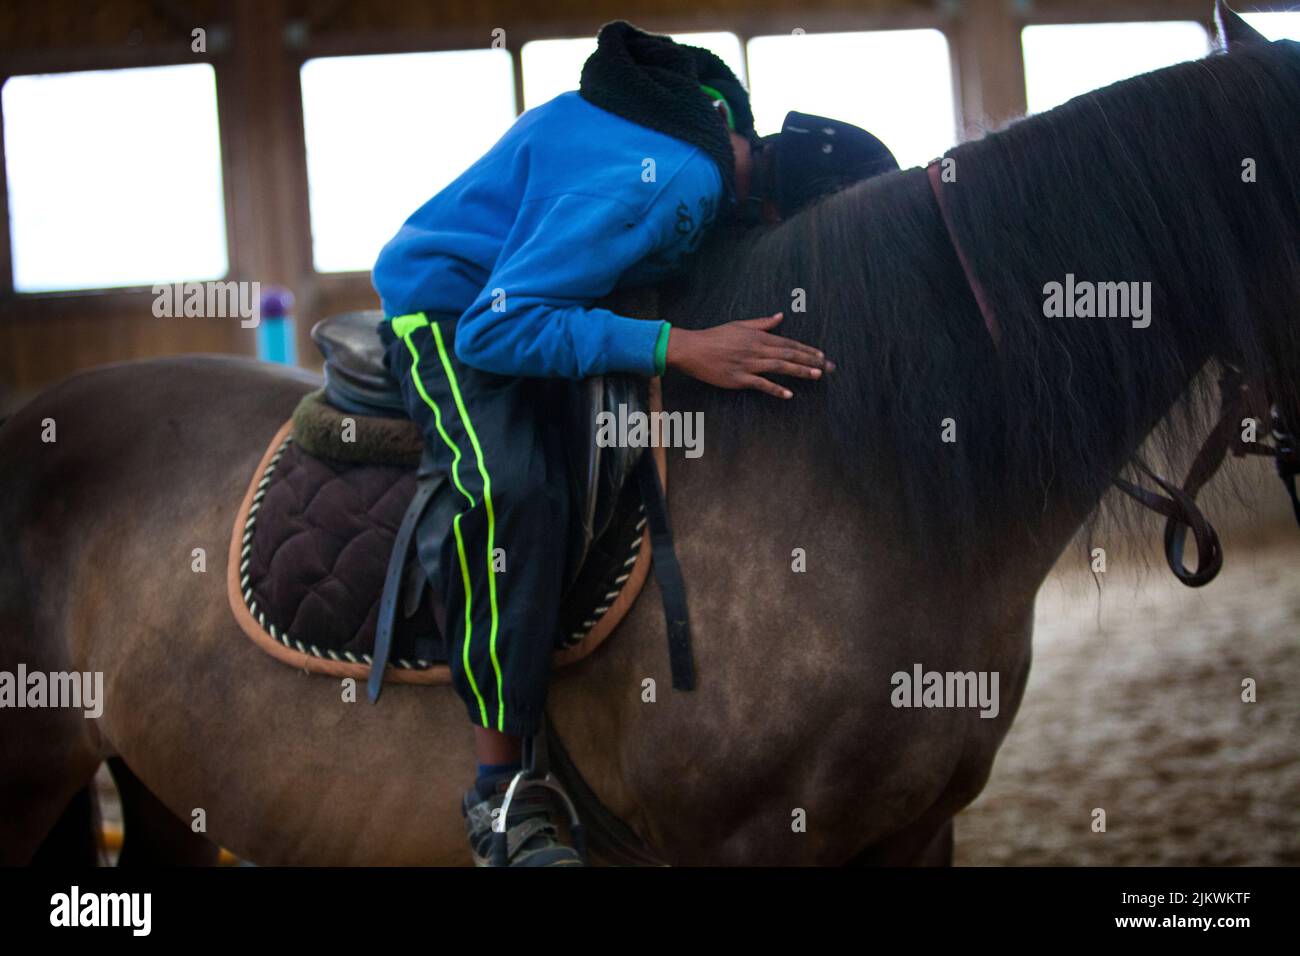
pixel 257 47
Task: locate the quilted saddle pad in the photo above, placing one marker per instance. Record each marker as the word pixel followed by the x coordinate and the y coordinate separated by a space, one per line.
pixel 310 548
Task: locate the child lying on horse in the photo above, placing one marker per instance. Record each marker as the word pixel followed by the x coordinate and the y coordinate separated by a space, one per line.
pixel 489 290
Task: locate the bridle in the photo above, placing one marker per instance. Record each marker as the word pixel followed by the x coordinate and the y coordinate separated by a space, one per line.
pixel 1239 399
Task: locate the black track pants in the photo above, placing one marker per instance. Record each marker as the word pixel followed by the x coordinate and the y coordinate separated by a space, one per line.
pixel 503 565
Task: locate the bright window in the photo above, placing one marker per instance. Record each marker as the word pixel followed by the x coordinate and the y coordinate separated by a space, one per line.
pixel 114 178
pixel 384 133
pixel 1275 26
pixel 552 67
pixel 1063 61
pixel 897 84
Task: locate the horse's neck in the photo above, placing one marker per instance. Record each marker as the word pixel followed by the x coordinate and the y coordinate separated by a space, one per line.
pixel 1063 511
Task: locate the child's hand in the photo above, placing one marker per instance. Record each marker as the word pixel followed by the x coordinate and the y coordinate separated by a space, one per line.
pixel 739 354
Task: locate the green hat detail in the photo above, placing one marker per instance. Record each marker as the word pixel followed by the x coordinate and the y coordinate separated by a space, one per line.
pixel 726 107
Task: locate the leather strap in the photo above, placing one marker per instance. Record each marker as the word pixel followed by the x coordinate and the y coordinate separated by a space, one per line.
pixel 1288 476
pixel 1181 512
pixel 1287 451
pixel 977 290
pixel 610 837
pixel 1238 400
pixel 427 482
pixel 668 572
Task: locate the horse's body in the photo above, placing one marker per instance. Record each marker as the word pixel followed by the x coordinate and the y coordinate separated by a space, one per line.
pixel 285 771
pixel 793 708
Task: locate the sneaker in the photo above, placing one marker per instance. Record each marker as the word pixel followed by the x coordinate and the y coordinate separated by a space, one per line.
pixel 531 834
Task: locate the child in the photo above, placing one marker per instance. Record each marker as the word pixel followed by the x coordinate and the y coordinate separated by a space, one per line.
pixel 489 289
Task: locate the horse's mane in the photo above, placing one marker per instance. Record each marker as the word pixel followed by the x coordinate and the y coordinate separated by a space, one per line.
pixel 1141 181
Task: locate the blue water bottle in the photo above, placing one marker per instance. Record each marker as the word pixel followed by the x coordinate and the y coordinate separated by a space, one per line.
pixel 277 339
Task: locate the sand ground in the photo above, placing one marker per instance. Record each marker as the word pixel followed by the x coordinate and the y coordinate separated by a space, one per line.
pixel 1134 706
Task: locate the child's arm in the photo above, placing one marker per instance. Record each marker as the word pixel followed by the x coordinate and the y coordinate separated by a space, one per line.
pixel 532 318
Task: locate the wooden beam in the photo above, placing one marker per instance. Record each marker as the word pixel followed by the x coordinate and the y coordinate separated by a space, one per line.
pixel 262 131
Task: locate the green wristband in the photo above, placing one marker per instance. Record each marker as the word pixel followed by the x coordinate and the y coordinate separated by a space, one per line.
pixel 661 349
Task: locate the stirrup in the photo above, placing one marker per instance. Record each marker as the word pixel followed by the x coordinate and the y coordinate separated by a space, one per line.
pixel 535 774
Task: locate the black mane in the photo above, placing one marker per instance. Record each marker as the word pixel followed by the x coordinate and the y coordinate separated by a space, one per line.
pixel 1141 181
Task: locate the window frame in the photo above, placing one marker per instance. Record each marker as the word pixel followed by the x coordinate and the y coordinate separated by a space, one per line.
pixel 1203 22
pixel 982 86
pixel 110 299
pixel 7 290
pixel 743 26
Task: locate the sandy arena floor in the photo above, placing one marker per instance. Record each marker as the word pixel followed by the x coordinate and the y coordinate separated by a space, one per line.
pixel 1134 706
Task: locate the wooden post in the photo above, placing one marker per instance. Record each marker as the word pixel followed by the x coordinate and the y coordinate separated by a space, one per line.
pixel 989 65
pixel 261 116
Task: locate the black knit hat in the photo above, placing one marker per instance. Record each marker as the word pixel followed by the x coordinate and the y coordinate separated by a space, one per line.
pixel 654 81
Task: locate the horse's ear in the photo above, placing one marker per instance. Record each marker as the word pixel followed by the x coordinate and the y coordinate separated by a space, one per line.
pixel 1234 32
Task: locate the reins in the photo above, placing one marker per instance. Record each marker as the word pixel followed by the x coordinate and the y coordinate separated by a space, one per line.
pixel 1239 400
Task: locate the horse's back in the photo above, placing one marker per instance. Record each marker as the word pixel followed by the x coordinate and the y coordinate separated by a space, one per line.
pixel 161 387
pixel 87 427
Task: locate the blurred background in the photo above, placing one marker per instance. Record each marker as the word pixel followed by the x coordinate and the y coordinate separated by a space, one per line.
pixel 282 142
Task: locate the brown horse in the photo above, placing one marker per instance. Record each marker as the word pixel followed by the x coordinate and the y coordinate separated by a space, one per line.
pixel 919 549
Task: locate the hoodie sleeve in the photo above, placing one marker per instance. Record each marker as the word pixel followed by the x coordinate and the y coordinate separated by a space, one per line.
pixel 533 316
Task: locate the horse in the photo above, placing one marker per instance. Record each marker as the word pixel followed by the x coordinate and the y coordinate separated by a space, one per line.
pixel 901 514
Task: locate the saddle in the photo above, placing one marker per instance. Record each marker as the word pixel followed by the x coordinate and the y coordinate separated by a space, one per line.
pixel 333 547
pixel 357 383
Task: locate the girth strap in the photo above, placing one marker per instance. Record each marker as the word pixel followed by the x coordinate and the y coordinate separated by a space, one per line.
pixel 615 841
pixel 427 482
pixel 668 572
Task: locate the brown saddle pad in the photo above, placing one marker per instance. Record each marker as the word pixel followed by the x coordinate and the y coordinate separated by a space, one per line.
pixel 310 546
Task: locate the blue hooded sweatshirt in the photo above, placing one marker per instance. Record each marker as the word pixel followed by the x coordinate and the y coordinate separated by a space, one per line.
pixel 570 204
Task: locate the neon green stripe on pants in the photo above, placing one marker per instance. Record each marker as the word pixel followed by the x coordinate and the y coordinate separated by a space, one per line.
pixel 407 324
pixel 492 523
